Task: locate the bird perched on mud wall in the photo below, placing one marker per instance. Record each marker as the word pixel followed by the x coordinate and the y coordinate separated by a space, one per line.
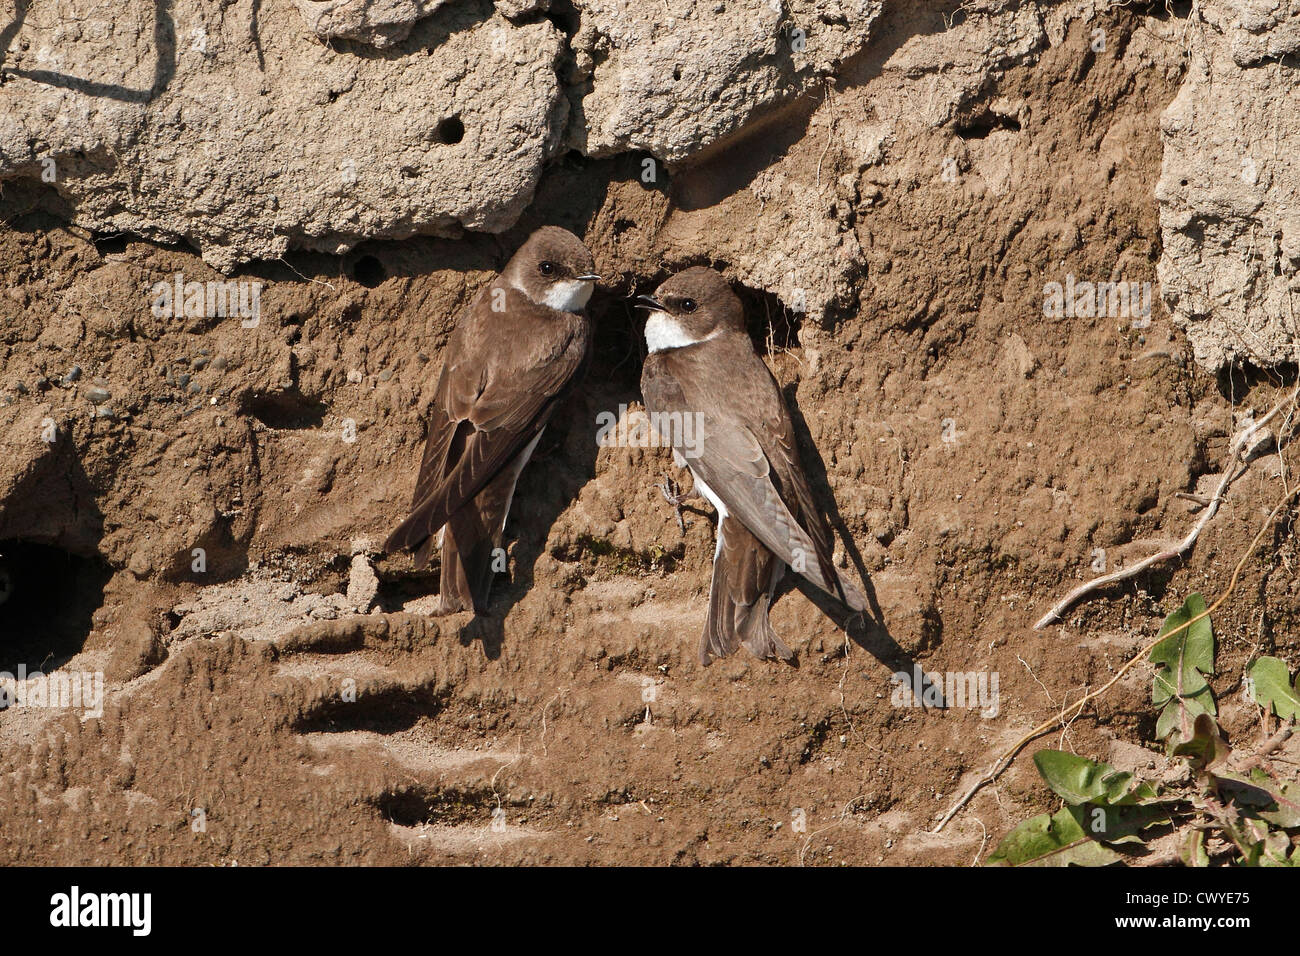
pixel 742 457
pixel 517 352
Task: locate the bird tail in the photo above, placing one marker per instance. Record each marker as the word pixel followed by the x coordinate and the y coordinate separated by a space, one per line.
pixel 755 629
pixel 471 545
pixel 745 574
pixel 849 593
pixel 467 551
pixel 816 567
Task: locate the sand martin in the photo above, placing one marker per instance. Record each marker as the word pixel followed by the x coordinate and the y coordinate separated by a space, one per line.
pixel 518 350
pixel 745 461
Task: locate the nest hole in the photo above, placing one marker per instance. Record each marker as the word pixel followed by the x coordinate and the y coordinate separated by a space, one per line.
pixel 47 599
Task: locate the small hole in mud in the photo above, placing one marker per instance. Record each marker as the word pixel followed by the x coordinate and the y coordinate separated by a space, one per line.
pixel 284 410
pixel 396 591
pixel 773 326
pixel 416 806
pixel 369 271
pixel 110 243
pixel 387 710
pixel 981 125
pixel 47 597
pixel 451 130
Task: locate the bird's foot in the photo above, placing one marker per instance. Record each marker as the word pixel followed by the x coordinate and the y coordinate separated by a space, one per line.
pixel 672 494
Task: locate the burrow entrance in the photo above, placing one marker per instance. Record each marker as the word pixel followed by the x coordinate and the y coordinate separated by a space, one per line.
pixel 47 598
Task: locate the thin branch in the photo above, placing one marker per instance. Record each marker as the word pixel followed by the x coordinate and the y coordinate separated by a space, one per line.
pixel 1269 746
pixel 1212 507
pixel 1073 711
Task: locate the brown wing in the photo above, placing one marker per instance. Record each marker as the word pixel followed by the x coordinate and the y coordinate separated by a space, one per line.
pixel 775 434
pixel 495 393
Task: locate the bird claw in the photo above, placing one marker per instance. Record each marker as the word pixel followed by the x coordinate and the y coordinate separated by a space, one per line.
pixel 672 493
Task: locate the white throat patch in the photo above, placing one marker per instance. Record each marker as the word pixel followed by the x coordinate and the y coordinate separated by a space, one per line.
pixel 568 295
pixel 662 332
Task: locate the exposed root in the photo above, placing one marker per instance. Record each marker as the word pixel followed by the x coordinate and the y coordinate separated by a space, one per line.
pixel 1076 708
pixel 1232 471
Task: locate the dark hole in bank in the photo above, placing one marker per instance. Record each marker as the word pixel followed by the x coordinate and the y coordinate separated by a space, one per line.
pixel 773 325
pixel 387 710
pixel 982 124
pixel 110 243
pixel 451 130
pixel 284 410
pixel 47 598
pixel 369 271
pixel 417 805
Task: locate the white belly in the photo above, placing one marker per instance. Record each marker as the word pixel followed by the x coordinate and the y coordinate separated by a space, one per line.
pixel 518 468
pixel 718 506
pixel 663 332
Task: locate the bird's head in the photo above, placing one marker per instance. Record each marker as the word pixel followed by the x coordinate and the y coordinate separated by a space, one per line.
pixel 691 307
pixel 553 268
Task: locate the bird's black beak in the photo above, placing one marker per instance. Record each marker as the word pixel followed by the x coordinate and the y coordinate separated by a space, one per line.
pixel 649 302
pixel 589 277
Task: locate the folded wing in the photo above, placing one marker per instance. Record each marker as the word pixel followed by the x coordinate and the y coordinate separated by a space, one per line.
pixel 480 423
pixel 755 470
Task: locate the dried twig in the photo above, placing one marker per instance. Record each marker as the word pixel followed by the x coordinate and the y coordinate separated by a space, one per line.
pixel 1269 746
pixel 1230 473
pixel 1074 709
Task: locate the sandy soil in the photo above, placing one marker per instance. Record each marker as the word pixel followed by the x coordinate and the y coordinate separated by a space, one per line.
pixel 974 456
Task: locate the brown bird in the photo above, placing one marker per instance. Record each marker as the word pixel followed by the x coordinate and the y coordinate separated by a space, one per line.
pixel 740 448
pixel 517 352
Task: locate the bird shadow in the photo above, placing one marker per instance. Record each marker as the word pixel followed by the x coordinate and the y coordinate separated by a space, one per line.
pixel 565 460
pixel 868 628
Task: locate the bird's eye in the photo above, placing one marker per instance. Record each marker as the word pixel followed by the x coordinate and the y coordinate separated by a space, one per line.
pixel 546 268
pixel 689 305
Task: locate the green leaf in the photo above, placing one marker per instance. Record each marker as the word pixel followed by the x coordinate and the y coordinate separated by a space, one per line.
pixel 1078 780
pixel 1206 749
pixel 1274 801
pixel 1274 850
pixel 1144 792
pixel 1182 660
pixel 1073 778
pixel 1120 823
pixel 1271 684
pixel 1051 840
pixel 1192 849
